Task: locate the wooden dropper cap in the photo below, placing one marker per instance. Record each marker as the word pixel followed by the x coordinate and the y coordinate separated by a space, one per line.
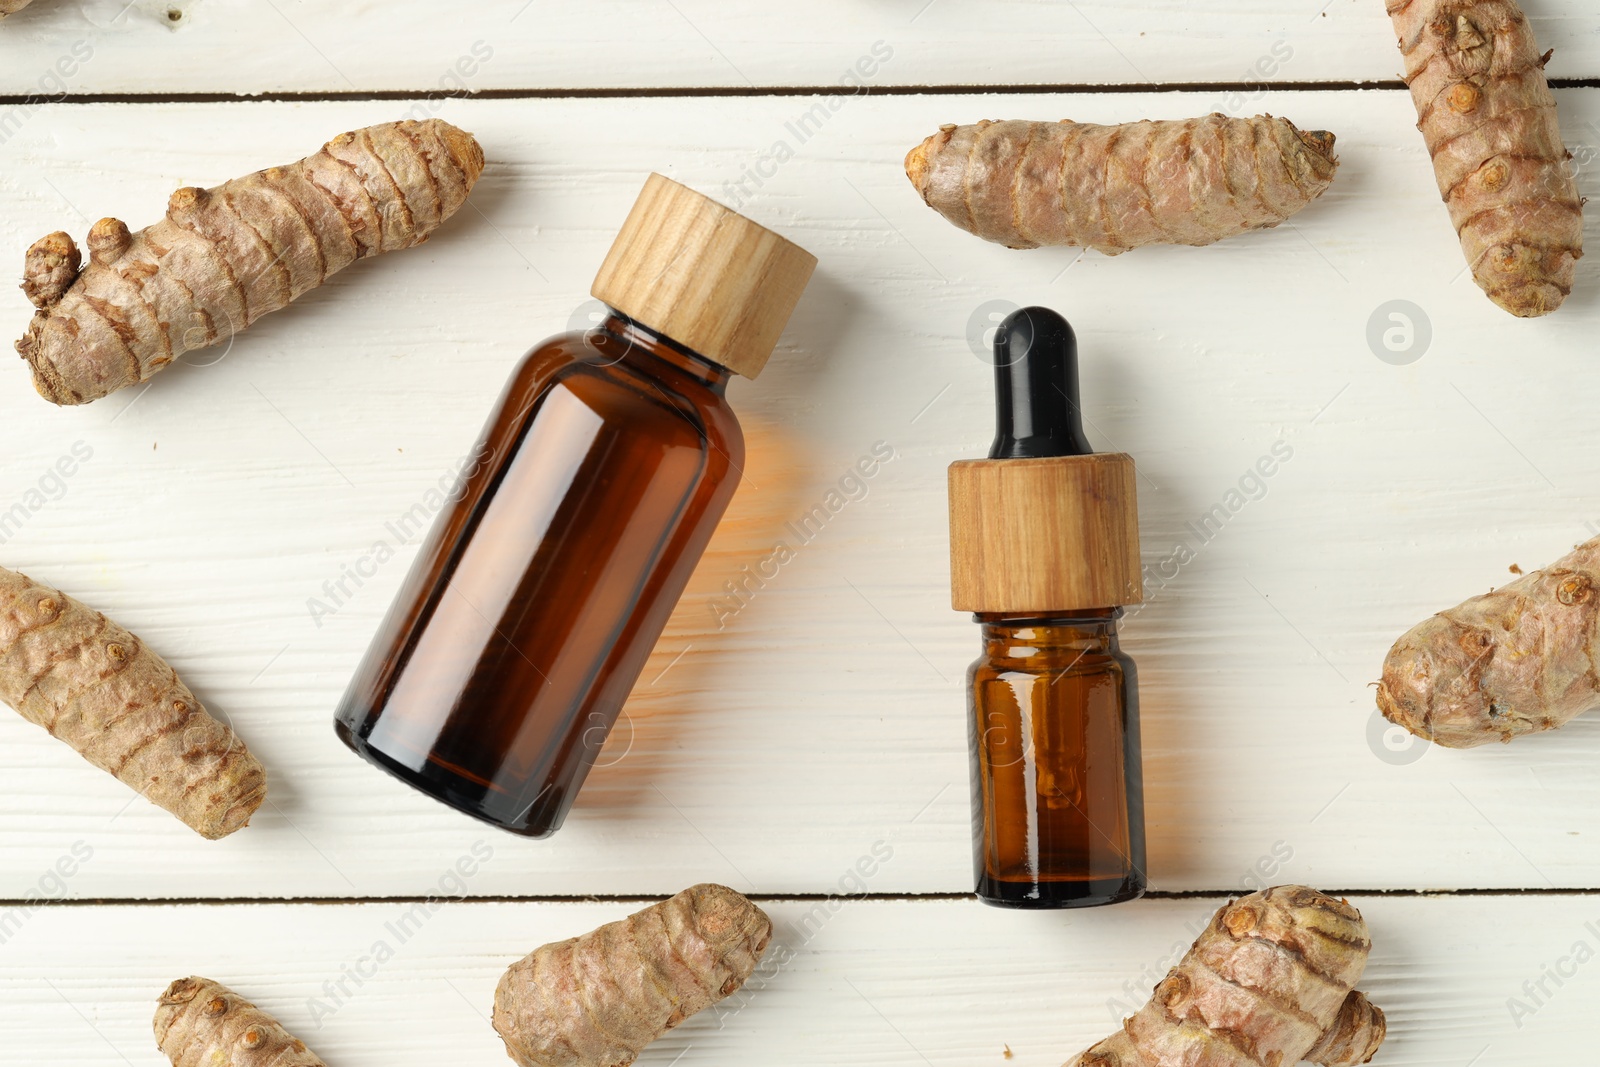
pixel 1045 525
pixel 704 275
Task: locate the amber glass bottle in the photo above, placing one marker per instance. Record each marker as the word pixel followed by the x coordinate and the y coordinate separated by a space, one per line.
pixel 543 586
pixel 1058 816
pixel 1044 551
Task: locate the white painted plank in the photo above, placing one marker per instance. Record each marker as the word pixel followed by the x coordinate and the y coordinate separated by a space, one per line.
pixel 915 983
pixel 828 713
pixel 236 46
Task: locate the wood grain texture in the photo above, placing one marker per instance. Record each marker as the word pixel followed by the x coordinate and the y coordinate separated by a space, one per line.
pixel 239 46
pixel 706 277
pixel 1046 534
pixel 911 983
pixel 249 513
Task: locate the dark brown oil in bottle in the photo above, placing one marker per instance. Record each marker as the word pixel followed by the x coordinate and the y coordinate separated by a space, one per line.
pixel 1057 791
pixel 542 588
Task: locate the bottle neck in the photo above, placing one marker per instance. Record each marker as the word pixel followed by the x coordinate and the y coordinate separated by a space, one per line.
pixel 1033 636
pixel 622 339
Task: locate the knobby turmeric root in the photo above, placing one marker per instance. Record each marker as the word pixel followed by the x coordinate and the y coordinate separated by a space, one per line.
pixel 94 685
pixel 1515 661
pixel 1269 982
pixel 1355 1035
pixel 1112 188
pixel 224 257
pixel 201 1023
pixel 599 999
pixel 1487 114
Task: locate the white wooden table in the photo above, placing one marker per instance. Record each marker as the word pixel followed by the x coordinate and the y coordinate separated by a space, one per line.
pixel 823 723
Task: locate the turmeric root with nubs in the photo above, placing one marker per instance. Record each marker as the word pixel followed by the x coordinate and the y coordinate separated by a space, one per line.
pixel 599 999
pixel 224 257
pixel 201 1023
pixel 92 684
pixel 1269 982
pixel 1354 1036
pixel 1489 119
pixel 1515 661
pixel 1113 188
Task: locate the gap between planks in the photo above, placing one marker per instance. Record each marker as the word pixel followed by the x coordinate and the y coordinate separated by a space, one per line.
pixel 1020 89
pixel 34 99
pixel 760 898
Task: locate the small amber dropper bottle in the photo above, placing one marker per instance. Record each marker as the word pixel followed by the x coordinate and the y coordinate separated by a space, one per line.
pixel 545 582
pixel 1044 548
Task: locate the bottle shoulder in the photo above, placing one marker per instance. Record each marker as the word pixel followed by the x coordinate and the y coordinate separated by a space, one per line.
pixel 1032 652
pixel 628 387
pixel 998 666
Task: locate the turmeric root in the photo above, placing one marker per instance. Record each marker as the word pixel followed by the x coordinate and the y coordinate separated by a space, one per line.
pixel 1351 1041
pixel 1270 981
pixel 201 1023
pixel 1355 1035
pixel 1515 661
pixel 599 999
pixel 92 684
pixel 224 257
pixel 1112 188
pixel 1487 114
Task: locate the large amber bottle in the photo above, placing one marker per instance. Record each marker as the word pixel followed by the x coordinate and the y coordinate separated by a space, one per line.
pixel 1044 542
pixel 544 584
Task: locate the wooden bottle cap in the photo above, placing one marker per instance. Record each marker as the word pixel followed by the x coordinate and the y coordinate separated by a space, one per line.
pixel 704 275
pixel 1050 535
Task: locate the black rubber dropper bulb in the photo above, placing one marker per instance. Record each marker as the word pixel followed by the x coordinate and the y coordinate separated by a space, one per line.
pixel 1036 388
